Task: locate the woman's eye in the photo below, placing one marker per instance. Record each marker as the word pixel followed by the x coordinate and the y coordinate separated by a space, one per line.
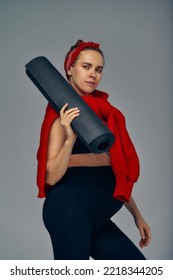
pixel 86 67
pixel 99 70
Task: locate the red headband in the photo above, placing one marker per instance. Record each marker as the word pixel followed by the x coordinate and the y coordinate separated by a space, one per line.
pixel 75 52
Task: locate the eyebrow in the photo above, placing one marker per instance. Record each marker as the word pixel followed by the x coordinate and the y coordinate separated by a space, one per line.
pixel 89 64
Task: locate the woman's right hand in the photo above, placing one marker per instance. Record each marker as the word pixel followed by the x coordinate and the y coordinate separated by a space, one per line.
pixel 67 116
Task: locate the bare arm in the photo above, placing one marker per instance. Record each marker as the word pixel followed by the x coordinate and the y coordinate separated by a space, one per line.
pixel 61 141
pixel 132 207
pixel 143 227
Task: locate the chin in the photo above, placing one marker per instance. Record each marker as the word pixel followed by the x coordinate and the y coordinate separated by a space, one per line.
pixel 89 91
pixel 86 92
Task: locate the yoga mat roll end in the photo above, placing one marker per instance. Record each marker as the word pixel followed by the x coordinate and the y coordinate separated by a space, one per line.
pixel 102 144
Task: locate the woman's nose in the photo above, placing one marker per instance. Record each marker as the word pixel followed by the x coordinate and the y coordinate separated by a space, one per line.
pixel 92 73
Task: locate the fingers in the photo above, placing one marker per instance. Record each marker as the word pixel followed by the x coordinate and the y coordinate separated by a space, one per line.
pixel 67 116
pixel 145 240
pixel 142 233
pixel 142 241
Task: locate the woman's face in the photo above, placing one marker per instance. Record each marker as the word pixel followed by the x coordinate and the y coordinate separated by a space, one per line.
pixel 86 74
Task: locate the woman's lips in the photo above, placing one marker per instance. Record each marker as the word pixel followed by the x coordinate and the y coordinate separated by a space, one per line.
pixel 90 83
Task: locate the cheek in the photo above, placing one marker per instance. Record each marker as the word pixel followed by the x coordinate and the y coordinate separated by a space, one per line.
pixel 99 78
pixel 78 75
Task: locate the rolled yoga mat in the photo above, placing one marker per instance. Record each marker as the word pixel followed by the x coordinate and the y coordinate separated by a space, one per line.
pixel 56 89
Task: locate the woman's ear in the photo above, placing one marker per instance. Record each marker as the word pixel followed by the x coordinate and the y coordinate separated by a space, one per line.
pixel 69 72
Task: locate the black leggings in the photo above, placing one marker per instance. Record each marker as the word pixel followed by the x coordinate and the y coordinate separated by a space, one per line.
pixel 77 214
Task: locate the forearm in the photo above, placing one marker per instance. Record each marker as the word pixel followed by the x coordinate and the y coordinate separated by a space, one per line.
pixel 57 166
pixel 132 207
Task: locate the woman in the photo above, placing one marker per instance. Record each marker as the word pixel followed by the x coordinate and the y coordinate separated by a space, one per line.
pixel 84 190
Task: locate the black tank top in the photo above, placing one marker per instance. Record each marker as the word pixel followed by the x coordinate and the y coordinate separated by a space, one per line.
pixel 79 147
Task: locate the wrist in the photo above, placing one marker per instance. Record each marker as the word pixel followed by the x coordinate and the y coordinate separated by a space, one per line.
pixel 70 142
pixel 137 215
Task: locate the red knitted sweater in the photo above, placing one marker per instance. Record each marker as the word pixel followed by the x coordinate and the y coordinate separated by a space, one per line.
pixel 124 159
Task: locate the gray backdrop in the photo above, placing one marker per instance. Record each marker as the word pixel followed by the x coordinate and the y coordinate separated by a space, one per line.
pixel 136 38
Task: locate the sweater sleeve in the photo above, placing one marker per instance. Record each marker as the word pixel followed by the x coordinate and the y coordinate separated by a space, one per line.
pixel 125 162
pixel 130 154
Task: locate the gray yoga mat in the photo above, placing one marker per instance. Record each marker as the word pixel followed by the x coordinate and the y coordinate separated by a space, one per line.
pixel 55 88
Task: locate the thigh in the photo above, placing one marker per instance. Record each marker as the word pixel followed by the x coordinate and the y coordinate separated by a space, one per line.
pixel 68 226
pixel 110 243
pixel 72 241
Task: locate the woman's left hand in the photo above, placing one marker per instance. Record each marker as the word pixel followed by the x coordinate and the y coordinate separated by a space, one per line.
pixel 144 230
